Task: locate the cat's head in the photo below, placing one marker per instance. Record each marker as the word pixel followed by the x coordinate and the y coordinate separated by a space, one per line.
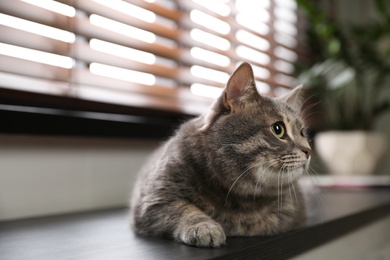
pixel 258 141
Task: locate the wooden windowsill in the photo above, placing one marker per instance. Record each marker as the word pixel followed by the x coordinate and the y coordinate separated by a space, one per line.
pixel 107 235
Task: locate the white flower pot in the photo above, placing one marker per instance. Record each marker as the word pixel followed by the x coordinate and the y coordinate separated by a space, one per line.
pixel 350 153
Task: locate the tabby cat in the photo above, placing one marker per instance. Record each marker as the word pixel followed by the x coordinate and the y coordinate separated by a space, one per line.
pixel 230 172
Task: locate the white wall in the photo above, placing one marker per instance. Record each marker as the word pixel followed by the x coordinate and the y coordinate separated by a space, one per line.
pixel 52 175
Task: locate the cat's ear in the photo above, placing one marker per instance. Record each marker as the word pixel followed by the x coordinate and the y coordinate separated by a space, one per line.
pixel 294 98
pixel 240 88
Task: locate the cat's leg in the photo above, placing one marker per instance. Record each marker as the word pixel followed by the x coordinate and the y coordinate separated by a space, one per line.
pixel 197 229
pixel 183 221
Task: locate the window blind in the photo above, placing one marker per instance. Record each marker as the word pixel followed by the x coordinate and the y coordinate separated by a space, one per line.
pixel 168 55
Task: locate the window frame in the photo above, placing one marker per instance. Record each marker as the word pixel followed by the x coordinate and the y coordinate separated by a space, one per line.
pixel 20 107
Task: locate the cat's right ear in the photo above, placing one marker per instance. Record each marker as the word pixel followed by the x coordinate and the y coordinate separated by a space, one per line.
pixel 240 89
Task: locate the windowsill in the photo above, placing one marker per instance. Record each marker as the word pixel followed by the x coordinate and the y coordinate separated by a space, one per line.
pixel 29 113
pixel 106 234
pixel 45 121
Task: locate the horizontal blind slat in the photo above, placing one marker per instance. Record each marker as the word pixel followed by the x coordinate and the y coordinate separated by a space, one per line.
pixel 85 77
pixel 33 13
pixel 188 24
pixel 161 10
pixel 94 93
pixel 85 28
pixel 36 42
pixel 93 8
pixel 83 52
pixel 33 84
pixel 30 68
pixel 186 78
pixel 188 6
pixel 187 60
pixel 157 8
pixel 95 87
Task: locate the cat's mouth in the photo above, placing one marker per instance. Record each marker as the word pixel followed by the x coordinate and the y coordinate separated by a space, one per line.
pixel 293 163
pixel 297 166
pixel 291 166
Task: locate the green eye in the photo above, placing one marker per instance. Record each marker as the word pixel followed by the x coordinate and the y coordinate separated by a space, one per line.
pixel 278 130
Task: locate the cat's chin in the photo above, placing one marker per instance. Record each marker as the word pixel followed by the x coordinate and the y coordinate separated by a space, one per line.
pixel 278 178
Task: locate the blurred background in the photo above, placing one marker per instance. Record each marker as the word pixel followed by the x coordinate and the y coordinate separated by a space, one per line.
pixel 88 89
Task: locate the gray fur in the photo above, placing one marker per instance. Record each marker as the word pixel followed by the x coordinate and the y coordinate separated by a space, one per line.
pixel 226 173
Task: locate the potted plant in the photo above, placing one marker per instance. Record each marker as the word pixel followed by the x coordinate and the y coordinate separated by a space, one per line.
pixel 350 79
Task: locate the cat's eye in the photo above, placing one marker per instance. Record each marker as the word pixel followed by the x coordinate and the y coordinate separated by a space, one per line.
pixel 278 129
pixel 303 133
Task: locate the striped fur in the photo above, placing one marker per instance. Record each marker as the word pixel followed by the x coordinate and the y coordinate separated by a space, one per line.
pixel 226 173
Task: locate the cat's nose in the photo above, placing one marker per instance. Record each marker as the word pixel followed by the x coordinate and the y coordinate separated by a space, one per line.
pixel 306 151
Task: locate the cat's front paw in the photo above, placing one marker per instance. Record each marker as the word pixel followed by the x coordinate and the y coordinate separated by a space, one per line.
pixel 204 234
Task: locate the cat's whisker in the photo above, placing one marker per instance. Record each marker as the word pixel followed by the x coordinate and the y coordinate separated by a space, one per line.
pixel 310 97
pixel 296 198
pixel 289 188
pixel 279 190
pixel 294 155
pixel 310 106
pixel 282 171
pixel 272 163
pixel 239 177
pixel 305 117
pixel 303 112
pixel 280 193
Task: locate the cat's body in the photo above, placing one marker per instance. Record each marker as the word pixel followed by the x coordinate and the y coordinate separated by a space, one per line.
pixel 231 172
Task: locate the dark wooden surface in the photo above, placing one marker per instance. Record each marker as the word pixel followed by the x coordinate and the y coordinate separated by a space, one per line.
pixel 107 235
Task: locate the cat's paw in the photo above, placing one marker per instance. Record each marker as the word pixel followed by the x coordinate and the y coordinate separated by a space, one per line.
pixel 204 234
